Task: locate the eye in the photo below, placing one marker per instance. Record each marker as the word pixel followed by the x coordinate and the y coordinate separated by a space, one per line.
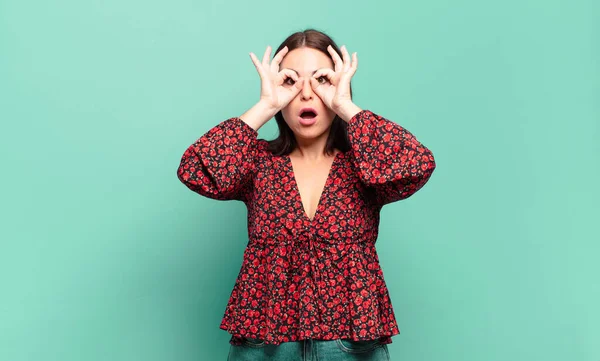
pixel 289 83
pixel 324 78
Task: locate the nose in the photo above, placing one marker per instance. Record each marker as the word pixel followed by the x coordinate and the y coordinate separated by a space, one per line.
pixel 307 91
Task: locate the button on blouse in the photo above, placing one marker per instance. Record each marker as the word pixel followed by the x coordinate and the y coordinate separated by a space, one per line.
pixel 303 278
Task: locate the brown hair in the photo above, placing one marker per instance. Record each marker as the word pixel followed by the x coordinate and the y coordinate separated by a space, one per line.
pixel 338 135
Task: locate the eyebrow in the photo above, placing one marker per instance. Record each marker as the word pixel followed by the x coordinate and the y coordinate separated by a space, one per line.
pixel 313 73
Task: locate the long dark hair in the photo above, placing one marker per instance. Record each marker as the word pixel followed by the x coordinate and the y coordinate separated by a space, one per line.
pixel 338 134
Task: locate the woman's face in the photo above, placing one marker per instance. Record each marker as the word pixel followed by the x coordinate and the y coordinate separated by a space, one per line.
pixel 305 61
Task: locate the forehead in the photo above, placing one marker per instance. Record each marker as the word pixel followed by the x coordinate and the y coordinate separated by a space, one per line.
pixel 306 60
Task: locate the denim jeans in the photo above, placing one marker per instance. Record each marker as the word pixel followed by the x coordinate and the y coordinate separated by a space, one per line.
pixel 309 350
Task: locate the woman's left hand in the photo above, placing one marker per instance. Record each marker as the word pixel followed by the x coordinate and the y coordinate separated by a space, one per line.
pixel 336 92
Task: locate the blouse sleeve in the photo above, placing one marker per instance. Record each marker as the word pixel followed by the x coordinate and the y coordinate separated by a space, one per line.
pixel 389 159
pixel 220 164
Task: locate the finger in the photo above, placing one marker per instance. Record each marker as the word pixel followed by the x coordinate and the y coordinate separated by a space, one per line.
pixel 327 72
pixel 293 91
pixel 266 56
pixel 315 85
pixel 257 64
pixel 277 59
pixel 297 86
pixel 288 73
pixel 336 58
pixel 354 65
pixel 318 88
pixel 346 58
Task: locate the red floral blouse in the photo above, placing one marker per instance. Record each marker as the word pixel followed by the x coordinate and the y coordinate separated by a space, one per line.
pixel 303 278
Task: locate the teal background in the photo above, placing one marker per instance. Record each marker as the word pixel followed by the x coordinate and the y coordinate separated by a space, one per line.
pixel 105 255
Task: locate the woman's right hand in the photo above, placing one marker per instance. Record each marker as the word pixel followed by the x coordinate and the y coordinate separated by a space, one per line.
pixel 275 90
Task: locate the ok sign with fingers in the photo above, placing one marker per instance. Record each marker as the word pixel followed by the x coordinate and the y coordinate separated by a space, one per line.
pixel 336 93
pixel 273 90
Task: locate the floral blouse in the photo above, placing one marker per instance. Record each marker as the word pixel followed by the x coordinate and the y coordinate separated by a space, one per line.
pixel 303 278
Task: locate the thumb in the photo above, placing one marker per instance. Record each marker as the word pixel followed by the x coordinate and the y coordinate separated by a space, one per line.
pixel 297 87
pixel 316 86
pixel 293 91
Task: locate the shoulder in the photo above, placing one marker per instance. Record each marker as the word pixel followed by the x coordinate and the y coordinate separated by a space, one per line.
pixel 263 151
pixel 262 147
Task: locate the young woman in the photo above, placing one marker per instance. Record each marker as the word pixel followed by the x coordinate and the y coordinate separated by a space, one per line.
pixel 310 286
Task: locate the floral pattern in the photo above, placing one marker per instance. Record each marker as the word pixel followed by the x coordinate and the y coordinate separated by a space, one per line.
pixel 316 278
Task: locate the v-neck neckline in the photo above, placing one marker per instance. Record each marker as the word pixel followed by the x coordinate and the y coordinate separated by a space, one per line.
pixel 323 191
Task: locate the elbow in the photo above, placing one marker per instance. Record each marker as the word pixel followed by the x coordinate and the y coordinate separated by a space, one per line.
pixel 183 174
pixel 191 177
pixel 428 165
pixel 425 168
pixel 430 162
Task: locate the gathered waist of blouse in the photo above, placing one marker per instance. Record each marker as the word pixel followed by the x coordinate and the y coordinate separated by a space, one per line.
pixel 305 239
pixel 296 253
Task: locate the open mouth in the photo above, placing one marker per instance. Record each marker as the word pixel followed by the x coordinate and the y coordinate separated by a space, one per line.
pixel 308 113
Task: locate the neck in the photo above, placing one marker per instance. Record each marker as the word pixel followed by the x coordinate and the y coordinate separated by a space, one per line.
pixel 311 149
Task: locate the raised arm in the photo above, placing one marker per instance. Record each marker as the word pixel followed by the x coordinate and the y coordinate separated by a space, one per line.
pixel 388 158
pixel 221 164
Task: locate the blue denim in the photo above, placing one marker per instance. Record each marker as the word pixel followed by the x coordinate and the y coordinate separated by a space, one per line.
pixel 309 350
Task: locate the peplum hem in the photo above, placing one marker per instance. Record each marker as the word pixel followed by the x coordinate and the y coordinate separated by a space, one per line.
pixel 238 335
pixel 348 300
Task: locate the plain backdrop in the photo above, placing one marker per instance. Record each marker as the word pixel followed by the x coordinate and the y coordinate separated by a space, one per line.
pixel 105 255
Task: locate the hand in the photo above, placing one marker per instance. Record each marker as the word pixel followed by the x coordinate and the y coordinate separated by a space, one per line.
pixel 274 92
pixel 336 92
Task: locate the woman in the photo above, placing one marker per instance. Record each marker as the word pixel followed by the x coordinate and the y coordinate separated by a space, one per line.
pixel 310 286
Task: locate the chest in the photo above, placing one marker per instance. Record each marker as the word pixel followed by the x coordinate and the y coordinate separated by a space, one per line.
pixel 324 199
pixel 311 180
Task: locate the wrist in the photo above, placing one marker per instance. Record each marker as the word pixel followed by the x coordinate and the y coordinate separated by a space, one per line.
pixel 347 111
pixel 266 108
pixel 258 115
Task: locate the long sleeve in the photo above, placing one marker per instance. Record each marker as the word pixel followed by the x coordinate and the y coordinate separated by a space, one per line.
pixel 220 164
pixel 389 159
